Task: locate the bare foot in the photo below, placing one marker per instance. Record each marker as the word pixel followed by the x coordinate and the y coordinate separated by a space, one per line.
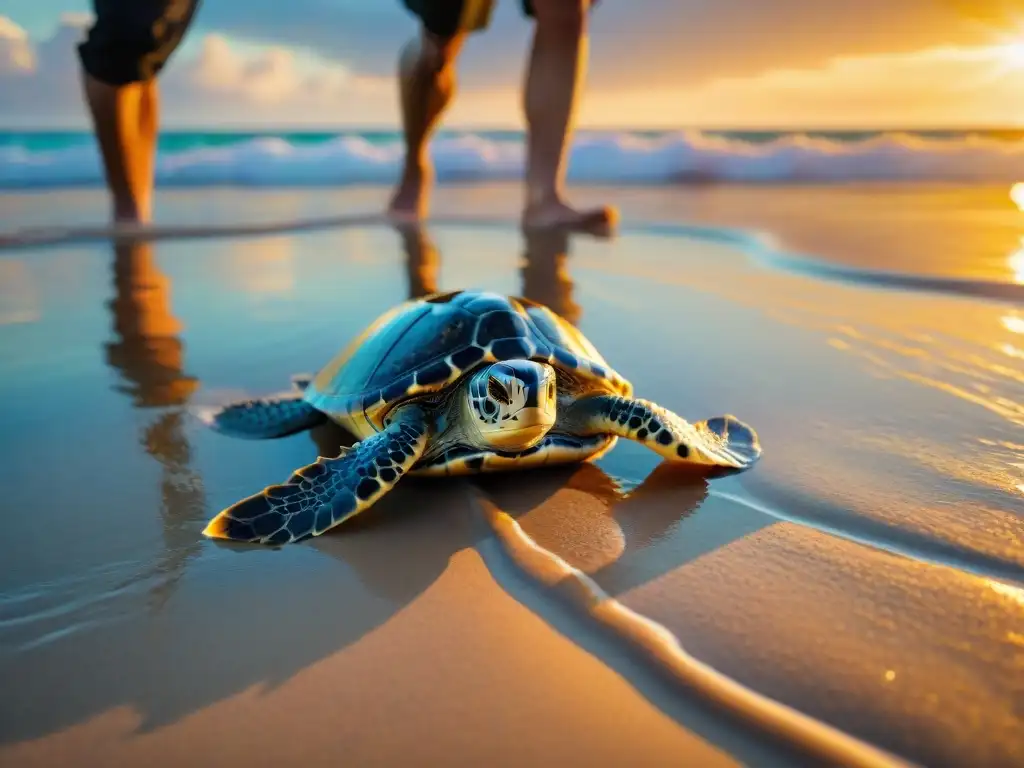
pixel 412 198
pixel 559 215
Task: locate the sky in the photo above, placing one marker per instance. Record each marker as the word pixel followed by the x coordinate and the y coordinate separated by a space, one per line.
pixel 653 64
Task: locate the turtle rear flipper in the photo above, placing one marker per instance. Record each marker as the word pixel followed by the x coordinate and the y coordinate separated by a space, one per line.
pixel 329 491
pixel 723 441
pixel 265 418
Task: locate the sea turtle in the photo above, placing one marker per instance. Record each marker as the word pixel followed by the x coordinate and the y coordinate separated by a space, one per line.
pixel 452 384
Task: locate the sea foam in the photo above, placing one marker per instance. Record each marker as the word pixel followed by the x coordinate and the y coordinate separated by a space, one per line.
pixel 613 158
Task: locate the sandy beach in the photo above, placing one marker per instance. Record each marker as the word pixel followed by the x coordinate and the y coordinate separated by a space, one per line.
pixel 863 584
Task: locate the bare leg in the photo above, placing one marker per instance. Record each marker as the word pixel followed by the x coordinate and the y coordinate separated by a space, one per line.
pixel 125 121
pixel 149 128
pixel 421 259
pixel 553 81
pixel 427 85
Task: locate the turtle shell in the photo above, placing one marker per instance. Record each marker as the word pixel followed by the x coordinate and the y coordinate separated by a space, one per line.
pixel 421 347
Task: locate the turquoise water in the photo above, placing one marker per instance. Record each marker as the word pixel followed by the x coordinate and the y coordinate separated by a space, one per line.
pixel 53 159
pixel 177 140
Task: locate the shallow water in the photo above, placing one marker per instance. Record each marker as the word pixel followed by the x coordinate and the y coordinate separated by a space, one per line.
pixel 868 572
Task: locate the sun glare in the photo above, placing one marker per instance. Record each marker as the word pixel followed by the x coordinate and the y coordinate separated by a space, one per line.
pixel 1017 194
pixel 1013 323
pixel 1016 262
pixel 1014 54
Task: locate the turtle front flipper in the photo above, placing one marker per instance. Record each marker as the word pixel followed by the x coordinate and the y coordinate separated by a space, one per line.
pixel 328 491
pixel 723 441
pixel 266 418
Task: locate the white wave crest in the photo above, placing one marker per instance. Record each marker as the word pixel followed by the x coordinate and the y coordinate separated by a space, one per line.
pixel 596 158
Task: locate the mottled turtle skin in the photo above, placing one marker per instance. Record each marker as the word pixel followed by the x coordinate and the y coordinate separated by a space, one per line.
pixel 452 384
pixel 422 347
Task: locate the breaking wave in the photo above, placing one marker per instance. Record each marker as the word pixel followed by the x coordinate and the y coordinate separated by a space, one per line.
pixel 614 158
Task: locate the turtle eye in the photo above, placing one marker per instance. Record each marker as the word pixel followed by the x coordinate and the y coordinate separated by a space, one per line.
pixel 498 392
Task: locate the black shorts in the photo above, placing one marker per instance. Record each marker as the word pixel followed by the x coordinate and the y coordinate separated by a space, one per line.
pixel 444 18
pixel 131 40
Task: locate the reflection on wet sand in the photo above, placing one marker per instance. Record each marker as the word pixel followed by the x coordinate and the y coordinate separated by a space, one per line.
pixel 19 299
pixel 545 276
pixel 1016 264
pixel 147 354
pixel 422 260
pixel 259 268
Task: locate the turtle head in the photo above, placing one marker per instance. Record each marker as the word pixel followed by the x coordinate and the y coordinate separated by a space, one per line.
pixel 512 404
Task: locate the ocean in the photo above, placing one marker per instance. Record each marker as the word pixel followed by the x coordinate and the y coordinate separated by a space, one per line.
pixel 54 159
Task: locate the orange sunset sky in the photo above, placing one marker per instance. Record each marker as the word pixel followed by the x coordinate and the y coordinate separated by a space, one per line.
pixel 655 63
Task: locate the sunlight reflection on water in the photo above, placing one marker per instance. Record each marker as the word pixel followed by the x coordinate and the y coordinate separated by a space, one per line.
pixel 1016 263
pixel 1017 194
pixel 1014 323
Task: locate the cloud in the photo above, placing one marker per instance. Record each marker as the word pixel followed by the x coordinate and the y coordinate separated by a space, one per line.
pixel 690 42
pixel 222 83
pixel 218 80
pixel 665 42
pixel 221 75
pixel 16 54
pixel 941 86
pixel 38 79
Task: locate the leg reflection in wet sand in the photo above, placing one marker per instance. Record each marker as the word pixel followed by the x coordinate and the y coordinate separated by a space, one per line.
pixel 422 260
pixel 545 276
pixel 147 353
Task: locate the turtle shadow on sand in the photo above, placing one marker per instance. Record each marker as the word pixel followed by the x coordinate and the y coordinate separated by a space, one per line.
pixel 584 516
pixel 621 538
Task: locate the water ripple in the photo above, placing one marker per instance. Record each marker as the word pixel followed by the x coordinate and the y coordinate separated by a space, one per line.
pixel 44 612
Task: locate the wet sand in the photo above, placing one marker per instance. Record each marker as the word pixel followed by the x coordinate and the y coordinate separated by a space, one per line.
pixel 867 573
pixel 950 232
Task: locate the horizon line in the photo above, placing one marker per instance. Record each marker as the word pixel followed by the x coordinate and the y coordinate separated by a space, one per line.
pixel 390 128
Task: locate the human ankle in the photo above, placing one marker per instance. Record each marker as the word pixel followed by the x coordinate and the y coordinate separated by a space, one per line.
pixel 543 196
